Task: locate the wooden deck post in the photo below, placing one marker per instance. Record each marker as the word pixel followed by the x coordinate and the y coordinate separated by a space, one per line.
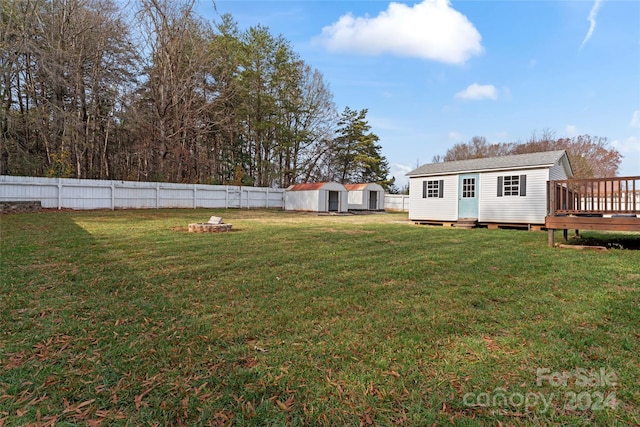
pixel 565 234
pixel 550 237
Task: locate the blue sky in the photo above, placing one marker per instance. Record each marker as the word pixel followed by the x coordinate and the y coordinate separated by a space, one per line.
pixel 437 72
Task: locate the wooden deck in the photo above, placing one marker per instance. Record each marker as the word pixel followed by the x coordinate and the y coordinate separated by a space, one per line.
pixel 593 204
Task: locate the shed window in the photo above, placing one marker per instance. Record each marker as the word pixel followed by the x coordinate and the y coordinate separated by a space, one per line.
pixel 468 188
pixel 433 189
pixel 512 185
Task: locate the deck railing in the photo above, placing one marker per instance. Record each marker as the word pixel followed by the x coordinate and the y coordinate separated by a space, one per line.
pixel 596 196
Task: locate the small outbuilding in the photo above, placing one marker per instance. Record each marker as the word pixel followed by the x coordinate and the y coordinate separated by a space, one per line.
pixel 497 191
pixel 365 197
pixel 316 197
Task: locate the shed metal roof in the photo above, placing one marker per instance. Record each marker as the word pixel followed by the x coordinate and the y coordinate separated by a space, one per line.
pixel 372 186
pixel 355 187
pixel 313 186
pixel 518 161
pixel 307 186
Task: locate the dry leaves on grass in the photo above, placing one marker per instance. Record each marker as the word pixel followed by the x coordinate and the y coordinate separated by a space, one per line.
pixel 491 343
pixel 287 405
pixel 392 373
pixel 150 383
pixel 48 349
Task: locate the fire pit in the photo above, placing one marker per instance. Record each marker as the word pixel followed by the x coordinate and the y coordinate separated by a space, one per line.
pixel 214 225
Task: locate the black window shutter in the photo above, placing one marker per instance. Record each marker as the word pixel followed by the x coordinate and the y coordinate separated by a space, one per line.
pixel 441 189
pixel 424 189
pixel 523 185
pixel 499 186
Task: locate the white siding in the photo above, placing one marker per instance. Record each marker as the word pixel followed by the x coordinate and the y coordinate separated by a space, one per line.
pixel 557 172
pixel 356 199
pixel 529 209
pixel 344 201
pixel 303 200
pixel 434 209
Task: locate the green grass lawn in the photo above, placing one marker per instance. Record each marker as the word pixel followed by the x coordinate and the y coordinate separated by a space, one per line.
pixel 124 318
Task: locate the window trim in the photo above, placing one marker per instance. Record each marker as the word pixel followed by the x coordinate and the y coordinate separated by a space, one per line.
pixel 433 188
pixel 507 187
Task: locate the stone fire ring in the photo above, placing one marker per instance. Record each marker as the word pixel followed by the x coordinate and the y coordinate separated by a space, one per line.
pixel 204 227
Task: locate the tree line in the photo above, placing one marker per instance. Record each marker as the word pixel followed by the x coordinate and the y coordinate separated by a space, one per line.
pixel 590 156
pixel 92 90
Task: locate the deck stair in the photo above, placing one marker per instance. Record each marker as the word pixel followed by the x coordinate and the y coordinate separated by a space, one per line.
pixel 466 223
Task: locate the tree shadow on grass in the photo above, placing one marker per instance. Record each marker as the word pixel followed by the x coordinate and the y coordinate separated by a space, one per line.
pixel 89 334
pixel 608 240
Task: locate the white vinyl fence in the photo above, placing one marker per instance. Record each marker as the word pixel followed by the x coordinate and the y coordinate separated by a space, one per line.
pixel 396 202
pixel 99 194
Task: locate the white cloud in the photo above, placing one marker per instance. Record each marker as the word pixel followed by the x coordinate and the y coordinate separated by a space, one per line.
pixel 477 92
pixel 399 171
pixel 592 22
pixel 629 145
pixel 430 30
pixel 501 136
pixel 571 130
pixel 630 150
pixel 402 169
pixel 635 119
pixel 456 136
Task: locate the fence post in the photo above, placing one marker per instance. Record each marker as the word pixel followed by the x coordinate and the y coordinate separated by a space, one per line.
pixel 59 193
pixel 113 195
pixel 195 196
pixel 157 195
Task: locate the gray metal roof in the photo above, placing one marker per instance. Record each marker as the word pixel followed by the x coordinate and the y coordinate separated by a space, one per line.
pixel 518 161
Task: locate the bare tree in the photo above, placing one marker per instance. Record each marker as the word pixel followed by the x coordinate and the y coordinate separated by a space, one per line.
pixel 175 92
pixel 203 104
pixel 63 65
pixel 590 156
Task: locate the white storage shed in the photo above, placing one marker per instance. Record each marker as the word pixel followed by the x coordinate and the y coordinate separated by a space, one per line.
pixel 316 197
pixel 491 191
pixel 366 197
